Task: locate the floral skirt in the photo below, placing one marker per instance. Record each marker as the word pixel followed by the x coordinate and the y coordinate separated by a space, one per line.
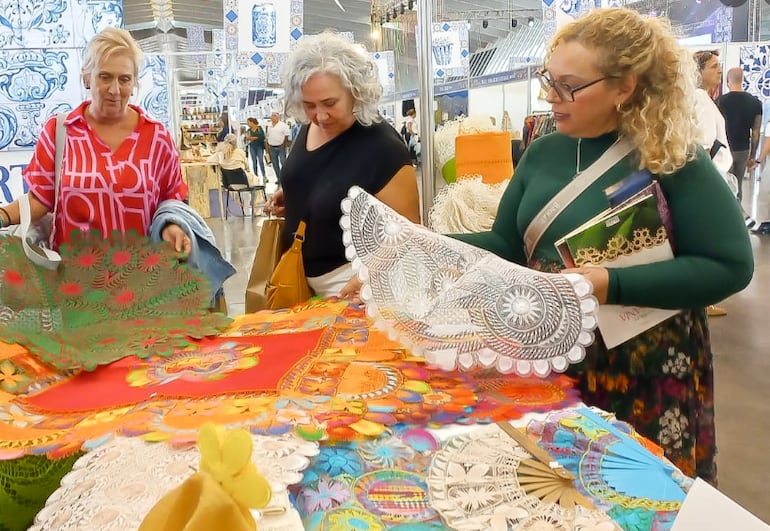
pixel 662 383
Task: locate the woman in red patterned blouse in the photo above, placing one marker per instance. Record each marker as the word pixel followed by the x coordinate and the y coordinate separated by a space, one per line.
pixel 118 163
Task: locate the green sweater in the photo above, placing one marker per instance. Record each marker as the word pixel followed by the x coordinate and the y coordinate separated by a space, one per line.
pixel 713 252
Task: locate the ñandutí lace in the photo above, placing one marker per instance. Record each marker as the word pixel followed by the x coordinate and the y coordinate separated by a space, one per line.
pixel 461 306
pixel 25 483
pixel 110 298
pixel 619 245
pixel 114 486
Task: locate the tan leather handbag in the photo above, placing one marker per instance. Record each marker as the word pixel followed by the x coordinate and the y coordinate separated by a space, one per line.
pixel 288 285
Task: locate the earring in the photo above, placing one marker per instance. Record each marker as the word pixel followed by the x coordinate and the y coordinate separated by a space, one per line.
pixel 617 107
pixel 88 86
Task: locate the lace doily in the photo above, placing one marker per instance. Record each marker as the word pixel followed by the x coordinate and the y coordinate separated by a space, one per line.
pixel 116 485
pixel 110 298
pixel 466 206
pixel 461 306
pixel 473 483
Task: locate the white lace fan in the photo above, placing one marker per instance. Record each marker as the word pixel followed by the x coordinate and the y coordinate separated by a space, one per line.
pixel 483 480
pixel 461 306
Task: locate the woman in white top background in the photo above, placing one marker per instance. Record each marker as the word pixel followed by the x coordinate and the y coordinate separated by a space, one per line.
pixel 710 120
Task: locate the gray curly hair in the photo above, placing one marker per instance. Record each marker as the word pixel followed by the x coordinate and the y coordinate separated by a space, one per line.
pixel 329 53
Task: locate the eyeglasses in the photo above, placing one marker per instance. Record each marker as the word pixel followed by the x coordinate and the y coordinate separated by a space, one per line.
pixel 565 91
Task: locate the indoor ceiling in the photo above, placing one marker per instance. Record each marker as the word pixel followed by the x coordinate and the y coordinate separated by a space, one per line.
pixel 160 25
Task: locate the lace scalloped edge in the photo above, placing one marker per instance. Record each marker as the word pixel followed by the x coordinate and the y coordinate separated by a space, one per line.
pixel 452 359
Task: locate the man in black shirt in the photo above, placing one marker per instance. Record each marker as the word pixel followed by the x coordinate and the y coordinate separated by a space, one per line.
pixel 743 119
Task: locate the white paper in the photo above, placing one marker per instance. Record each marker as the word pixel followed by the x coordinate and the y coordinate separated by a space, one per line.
pixel 705 509
pixel 618 323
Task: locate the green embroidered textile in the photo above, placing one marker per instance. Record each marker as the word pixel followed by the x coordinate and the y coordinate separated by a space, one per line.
pixel 25 485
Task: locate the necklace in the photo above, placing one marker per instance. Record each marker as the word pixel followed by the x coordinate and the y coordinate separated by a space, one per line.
pixel 577 156
pixel 577 161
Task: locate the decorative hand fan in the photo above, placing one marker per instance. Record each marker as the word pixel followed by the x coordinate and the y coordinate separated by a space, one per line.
pixel 487 480
pixel 461 306
pixel 610 464
pixel 109 299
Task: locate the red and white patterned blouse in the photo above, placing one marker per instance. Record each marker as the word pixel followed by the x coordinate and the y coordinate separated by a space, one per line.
pixel 100 189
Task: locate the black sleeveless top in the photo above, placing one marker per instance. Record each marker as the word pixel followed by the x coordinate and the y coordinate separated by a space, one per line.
pixel 315 182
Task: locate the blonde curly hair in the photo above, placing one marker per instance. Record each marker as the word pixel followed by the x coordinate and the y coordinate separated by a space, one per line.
pixel 659 117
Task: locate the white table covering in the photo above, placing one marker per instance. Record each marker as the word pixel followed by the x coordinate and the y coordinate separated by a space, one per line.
pixel 115 486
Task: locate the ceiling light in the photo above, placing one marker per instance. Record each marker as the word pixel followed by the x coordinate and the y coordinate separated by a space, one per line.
pixel 530 21
pixel 485 24
pixel 514 22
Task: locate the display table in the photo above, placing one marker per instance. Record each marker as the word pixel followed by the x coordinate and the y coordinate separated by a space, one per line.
pixel 318 372
pixel 201 177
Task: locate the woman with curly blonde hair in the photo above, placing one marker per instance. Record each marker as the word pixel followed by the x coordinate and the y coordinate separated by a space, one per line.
pixel 612 77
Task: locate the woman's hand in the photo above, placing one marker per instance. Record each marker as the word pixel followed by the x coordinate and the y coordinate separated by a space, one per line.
pixel 176 236
pixel 275 205
pixel 352 290
pixel 598 276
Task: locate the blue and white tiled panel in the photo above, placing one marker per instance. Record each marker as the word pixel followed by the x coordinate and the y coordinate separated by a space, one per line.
pixel 269 67
pixel 262 29
pixel 55 23
pixel 152 95
pixel 34 85
pixel 450 49
pixel 385 63
pixel 755 64
pixel 721 22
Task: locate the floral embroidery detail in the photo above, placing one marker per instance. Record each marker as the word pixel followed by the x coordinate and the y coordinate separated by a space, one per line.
pixel 387 452
pixel 12 378
pixel 677 365
pixel 15 416
pixel 673 428
pixel 339 460
pixel 327 494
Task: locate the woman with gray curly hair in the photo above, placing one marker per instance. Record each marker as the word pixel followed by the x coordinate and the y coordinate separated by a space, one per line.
pixel 332 89
pixel 617 77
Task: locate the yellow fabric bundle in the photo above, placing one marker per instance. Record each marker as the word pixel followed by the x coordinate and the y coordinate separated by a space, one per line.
pixel 221 494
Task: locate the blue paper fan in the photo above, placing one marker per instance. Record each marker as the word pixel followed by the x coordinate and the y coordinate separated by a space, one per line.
pixel 631 468
pixel 610 464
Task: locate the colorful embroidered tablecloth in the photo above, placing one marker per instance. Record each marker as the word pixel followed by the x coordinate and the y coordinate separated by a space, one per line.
pixel 319 370
pixel 470 478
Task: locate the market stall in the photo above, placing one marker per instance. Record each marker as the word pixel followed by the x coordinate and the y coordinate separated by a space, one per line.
pixel 318 372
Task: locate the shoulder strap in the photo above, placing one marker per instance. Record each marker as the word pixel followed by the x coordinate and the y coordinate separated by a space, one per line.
pixel 43 256
pixel 566 195
pixel 61 136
